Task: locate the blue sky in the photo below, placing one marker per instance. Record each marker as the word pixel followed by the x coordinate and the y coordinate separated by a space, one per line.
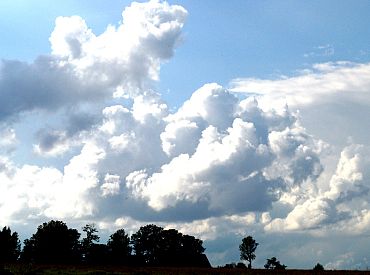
pixel 218 118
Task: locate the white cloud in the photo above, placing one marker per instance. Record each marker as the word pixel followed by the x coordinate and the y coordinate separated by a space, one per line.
pixel 238 141
pixel 128 55
pixel 351 177
pixel 332 99
pixel 31 191
pixel 111 185
pixel 317 85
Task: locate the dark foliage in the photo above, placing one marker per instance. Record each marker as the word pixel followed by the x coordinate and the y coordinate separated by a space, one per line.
pixel 4 271
pixel 98 254
pixel 230 265
pixel 247 250
pixel 146 243
pixel 318 267
pixel 158 247
pixel 9 246
pixel 119 247
pixel 241 265
pixel 88 242
pixel 235 265
pixel 273 263
pixel 53 242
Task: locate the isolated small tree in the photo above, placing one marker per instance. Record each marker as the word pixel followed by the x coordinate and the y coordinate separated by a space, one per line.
pixel 273 263
pixel 247 250
pixel 318 267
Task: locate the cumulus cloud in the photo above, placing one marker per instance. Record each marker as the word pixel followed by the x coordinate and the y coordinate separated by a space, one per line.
pixel 72 84
pixel 231 159
pixel 85 68
pixel 31 191
pixel 332 99
pixel 323 94
pixel 216 152
pixel 344 201
pixel 111 185
pixel 128 55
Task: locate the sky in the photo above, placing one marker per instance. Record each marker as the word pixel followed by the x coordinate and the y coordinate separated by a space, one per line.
pixel 221 119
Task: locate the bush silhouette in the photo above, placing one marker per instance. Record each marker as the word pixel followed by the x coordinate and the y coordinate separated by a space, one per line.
pixel 318 267
pixel 273 263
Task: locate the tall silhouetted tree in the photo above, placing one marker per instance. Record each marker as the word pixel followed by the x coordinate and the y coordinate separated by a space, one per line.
pixel 53 242
pixel 89 241
pixel 146 243
pixel 91 235
pixel 119 246
pixel 247 250
pixel 273 263
pixel 9 246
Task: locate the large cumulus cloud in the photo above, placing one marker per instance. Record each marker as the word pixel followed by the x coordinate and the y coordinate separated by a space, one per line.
pixel 232 157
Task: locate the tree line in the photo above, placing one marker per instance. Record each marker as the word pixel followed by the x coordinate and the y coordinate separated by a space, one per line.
pixel 55 243
pixel 152 245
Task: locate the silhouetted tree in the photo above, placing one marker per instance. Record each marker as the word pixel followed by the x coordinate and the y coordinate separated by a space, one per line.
pixel 273 263
pixel 318 267
pixel 247 250
pixel 146 243
pixel 9 246
pixel 119 247
pixel 88 242
pixel 156 246
pixel 53 242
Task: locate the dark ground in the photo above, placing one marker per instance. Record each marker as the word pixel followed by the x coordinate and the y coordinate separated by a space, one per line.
pixel 115 270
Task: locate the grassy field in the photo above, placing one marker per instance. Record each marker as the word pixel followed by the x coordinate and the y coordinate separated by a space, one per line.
pixel 110 270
